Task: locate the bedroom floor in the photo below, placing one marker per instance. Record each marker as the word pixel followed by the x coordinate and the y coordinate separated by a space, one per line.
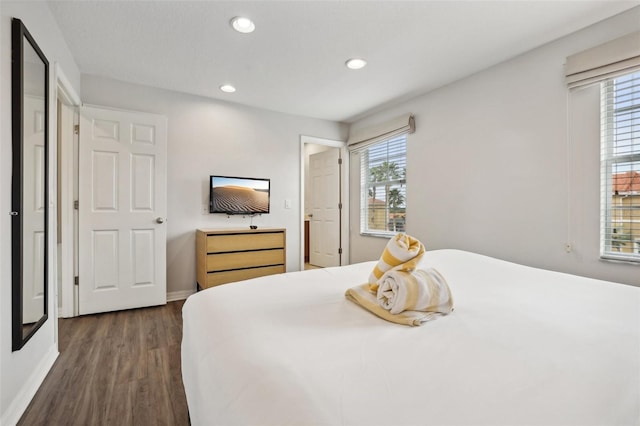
pixel 117 368
pixel 308 266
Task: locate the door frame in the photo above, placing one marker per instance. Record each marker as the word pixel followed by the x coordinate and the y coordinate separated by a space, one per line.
pixel 66 300
pixel 344 189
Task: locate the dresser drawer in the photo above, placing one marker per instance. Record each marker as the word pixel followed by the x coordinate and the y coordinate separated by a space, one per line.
pixel 217 278
pixel 236 242
pixel 227 261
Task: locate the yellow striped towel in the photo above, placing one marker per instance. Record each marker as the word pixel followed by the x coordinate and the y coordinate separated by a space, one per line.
pixel 419 290
pixel 362 296
pixel 402 252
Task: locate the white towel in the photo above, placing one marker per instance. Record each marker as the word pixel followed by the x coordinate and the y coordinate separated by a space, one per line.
pixel 418 290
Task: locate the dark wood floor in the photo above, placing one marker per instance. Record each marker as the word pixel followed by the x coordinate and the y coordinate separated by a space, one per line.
pixel 117 368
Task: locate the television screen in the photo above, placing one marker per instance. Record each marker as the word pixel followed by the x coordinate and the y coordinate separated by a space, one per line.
pixel 238 195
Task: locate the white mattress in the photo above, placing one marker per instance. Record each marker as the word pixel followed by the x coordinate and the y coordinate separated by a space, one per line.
pixel 524 346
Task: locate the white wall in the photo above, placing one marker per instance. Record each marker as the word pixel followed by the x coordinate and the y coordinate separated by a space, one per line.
pixel 212 137
pixel 489 168
pixel 21 372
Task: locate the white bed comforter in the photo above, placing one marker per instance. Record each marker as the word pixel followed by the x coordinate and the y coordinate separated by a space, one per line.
pixel 524 346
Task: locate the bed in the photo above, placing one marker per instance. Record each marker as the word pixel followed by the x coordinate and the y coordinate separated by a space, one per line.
pixel 524 346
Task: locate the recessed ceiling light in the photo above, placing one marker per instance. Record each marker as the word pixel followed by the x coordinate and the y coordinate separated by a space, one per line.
pixel 243 25
pixel 355 63
pixel 227 88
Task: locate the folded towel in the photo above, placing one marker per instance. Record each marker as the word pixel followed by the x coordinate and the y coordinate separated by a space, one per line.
pixel 419 290
pixel 402 252
pixel 362 296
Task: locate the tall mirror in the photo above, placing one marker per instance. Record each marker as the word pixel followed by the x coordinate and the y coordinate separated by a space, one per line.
pixel 29 109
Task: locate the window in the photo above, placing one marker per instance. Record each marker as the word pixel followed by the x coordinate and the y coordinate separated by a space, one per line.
pixel 620 168
pixel 383 170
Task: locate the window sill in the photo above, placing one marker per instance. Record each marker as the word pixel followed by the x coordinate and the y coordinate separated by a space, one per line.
pixel 628 260
pixel 378 234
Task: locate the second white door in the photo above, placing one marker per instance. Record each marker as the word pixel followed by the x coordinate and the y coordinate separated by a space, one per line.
pixel 324 172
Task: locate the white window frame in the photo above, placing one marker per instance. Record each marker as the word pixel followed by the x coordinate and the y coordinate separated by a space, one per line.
pixel 366 184
pixel 609 215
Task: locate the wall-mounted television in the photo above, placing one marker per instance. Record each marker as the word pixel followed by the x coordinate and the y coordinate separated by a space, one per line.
pixel 238 195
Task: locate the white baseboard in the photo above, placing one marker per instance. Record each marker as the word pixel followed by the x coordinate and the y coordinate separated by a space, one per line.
pixel 171 297
pixel 179 295
pixel 24 396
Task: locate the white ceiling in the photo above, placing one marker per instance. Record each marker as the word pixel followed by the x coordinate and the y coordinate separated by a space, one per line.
pixel 294 61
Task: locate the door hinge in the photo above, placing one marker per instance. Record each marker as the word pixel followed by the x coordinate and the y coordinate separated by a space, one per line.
pixel 76 129
pixel 76 204
pixel 339 160
pixel 76 280
pixel 340 250
pixel 339 206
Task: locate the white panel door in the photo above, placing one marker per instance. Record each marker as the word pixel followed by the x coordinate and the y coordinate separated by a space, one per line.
pixel 324 172
pixel 122 209
pixel 33 241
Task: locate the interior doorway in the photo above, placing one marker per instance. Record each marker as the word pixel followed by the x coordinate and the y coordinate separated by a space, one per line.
pixel 324 203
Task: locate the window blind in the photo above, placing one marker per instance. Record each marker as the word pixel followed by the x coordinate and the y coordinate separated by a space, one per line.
pixel 607 60
pixel 383 168
pixel 362 138
pixel 620 168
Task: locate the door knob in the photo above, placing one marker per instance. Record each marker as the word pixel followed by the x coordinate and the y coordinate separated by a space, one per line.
pixel 160 219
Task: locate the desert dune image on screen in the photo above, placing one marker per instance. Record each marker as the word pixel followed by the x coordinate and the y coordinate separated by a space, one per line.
pixel 238 195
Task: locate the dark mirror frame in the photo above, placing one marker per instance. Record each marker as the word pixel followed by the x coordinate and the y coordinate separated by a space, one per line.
pixel 19 36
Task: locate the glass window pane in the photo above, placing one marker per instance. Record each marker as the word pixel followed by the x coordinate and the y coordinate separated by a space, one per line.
pixel 620 186
pixel 383 180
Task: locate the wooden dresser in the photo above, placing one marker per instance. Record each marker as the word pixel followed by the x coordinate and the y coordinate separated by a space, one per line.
pixel 227 255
